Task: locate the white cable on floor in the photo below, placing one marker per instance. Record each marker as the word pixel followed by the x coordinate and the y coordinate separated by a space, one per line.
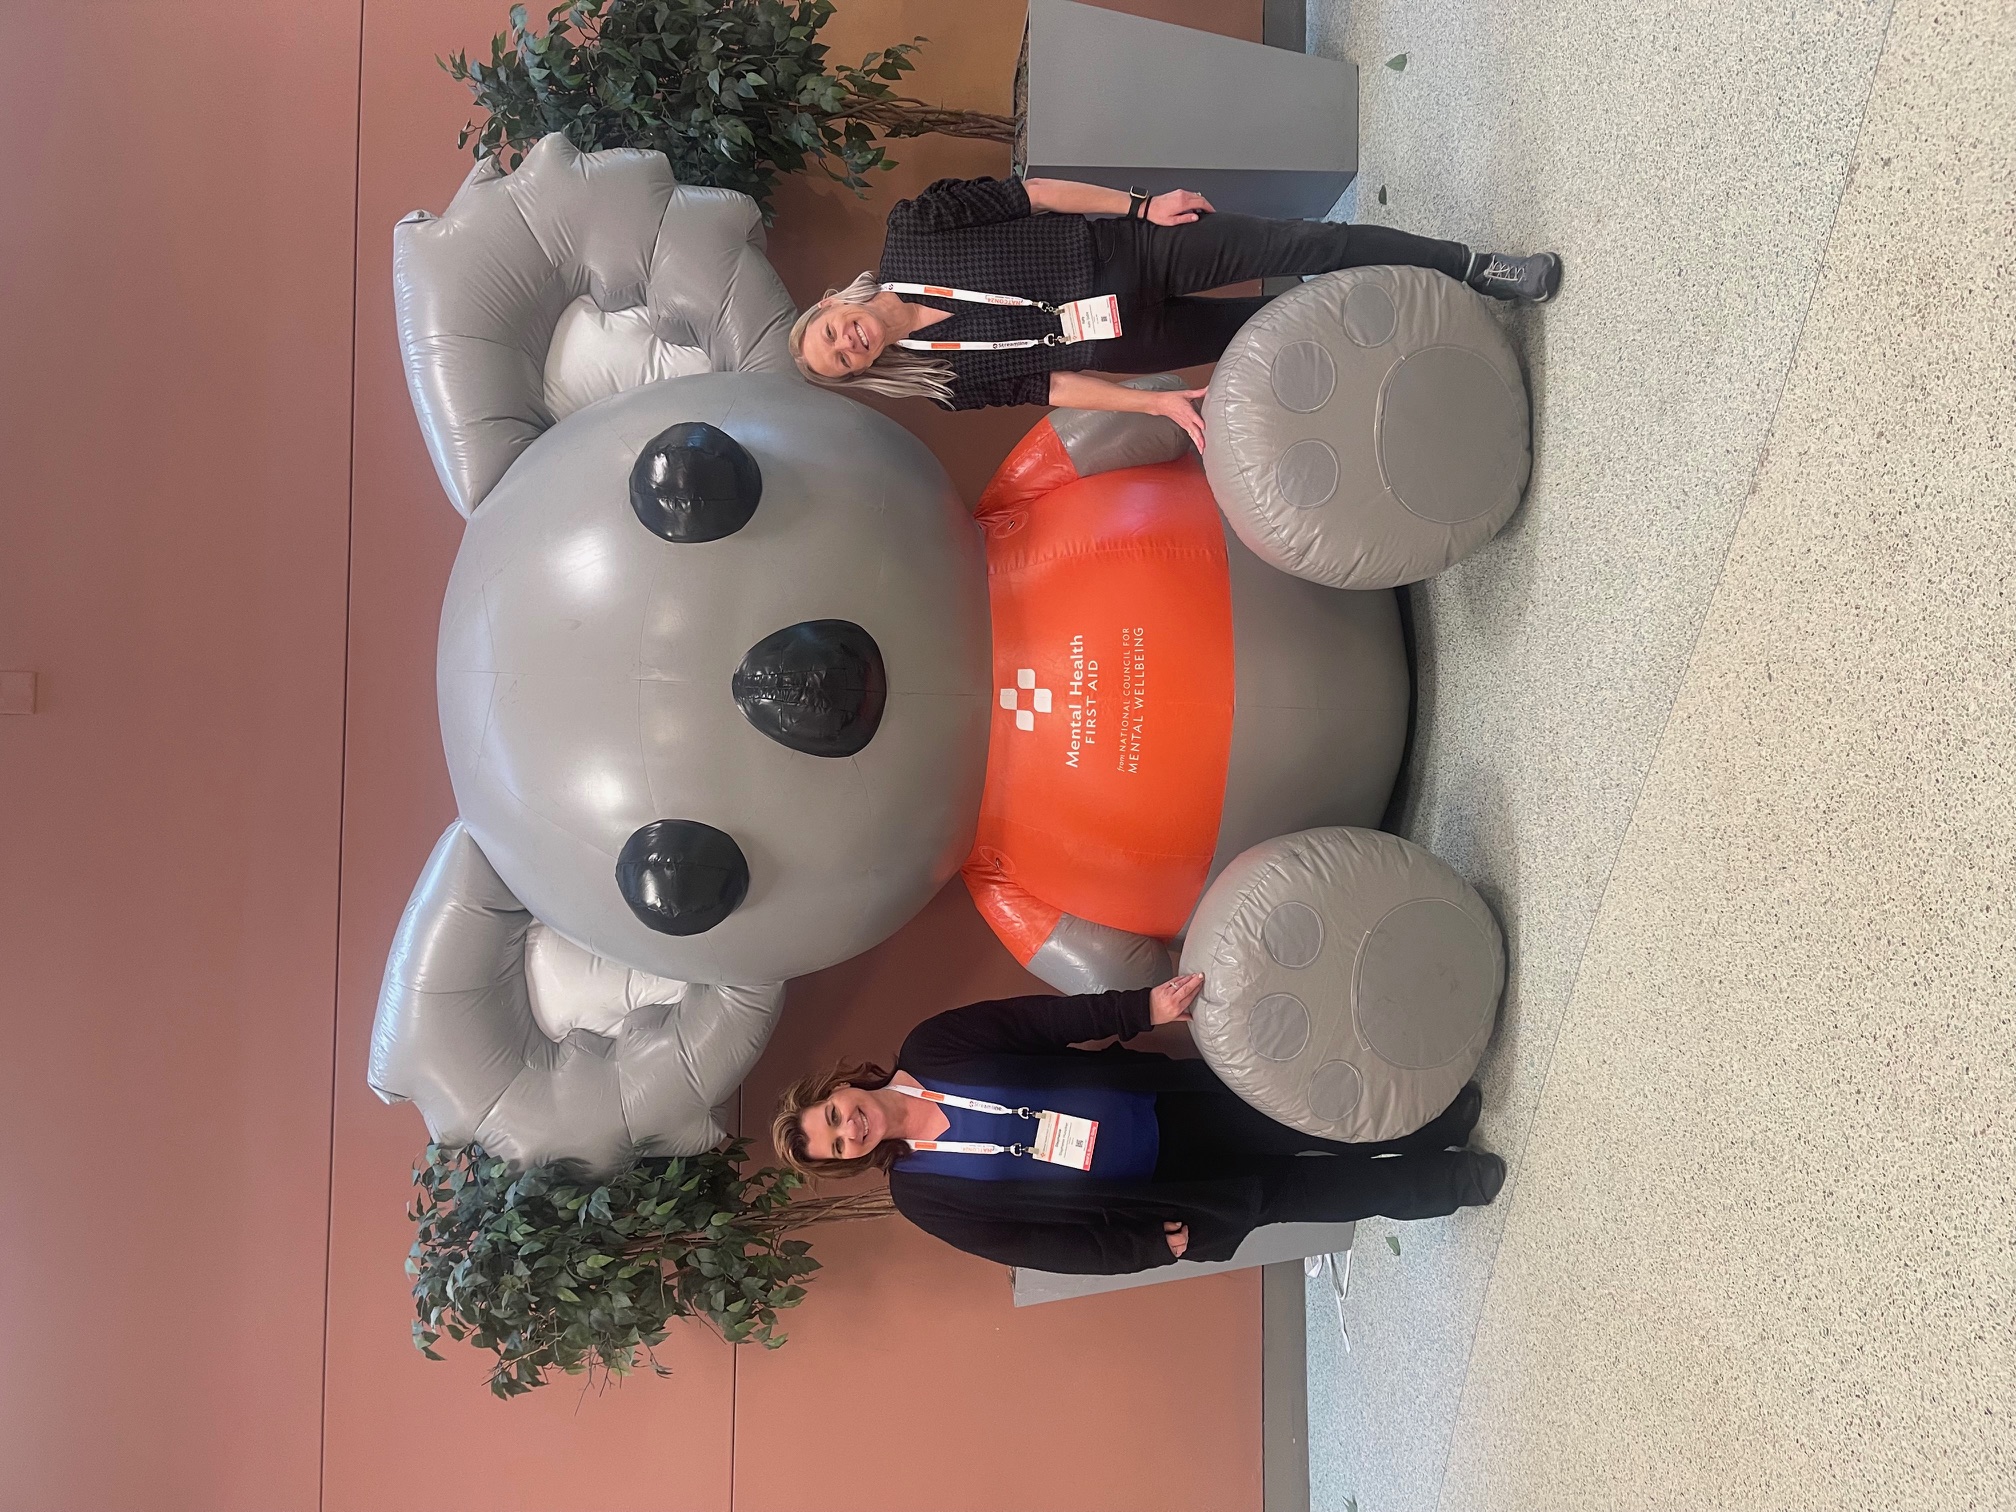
pixel 1340 1285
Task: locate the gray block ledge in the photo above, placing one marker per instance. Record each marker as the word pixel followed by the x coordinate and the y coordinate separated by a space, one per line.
pixel 1121 101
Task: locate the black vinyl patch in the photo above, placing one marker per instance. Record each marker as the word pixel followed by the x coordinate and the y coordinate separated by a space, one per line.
pixel 682 877
pixel 818 687
pixel 694 482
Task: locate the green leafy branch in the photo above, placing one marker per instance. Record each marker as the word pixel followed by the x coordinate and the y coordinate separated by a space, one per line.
pixel 551 1270
pixel 734 92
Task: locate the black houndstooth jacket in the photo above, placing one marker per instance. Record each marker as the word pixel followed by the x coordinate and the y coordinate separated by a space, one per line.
pixel 980 234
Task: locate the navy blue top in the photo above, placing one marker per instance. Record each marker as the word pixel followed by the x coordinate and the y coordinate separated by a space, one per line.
pixel 1125 1149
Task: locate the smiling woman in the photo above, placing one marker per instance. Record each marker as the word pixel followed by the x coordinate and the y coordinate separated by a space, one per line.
pixel 1005 1141
pixel 1028 285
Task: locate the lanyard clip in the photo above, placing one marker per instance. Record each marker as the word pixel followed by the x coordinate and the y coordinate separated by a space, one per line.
pixel 1055 338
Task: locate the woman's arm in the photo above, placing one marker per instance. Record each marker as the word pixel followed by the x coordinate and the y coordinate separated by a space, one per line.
pixel 1178 207
pixel 1110 1245
pixel 1034 1025
pixel 1042 1025
pixel 1089 391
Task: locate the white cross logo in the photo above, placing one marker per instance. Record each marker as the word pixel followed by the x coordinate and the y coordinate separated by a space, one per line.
pixel 1011 698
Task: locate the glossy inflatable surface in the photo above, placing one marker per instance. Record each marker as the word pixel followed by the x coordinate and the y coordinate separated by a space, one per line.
pixel 596 679
pixel 730 683
pixel 1351 981
pixel 455 1034
pixel 1165 699
pixel 1368 428
pixel 479 290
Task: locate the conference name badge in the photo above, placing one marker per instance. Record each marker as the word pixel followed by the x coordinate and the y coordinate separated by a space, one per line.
pixel 1095 319
pixel 1066 1139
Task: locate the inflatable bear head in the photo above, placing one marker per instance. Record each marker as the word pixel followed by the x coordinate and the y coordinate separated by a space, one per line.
pixel 714 677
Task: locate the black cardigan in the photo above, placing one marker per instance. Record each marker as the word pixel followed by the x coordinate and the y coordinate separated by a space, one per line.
pixel 1097 1228
pixel 980 234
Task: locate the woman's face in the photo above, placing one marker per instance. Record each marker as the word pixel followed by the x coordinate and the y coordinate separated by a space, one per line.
pixel 848 1124
pixel 843 339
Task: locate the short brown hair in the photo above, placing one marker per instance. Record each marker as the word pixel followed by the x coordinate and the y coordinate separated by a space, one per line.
pixel 788 1133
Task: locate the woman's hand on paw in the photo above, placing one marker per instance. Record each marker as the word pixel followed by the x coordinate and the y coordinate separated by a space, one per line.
pixel 1170 1003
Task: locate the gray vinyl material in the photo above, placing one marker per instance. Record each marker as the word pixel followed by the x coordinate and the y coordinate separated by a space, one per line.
pixel 455 1036
pixel 479 289
pixel 1321 700
pixel 584 663
pixel 1368 428
pixel 584 677
pixel 1081 956
pixel 1351 981
pixel 1100 441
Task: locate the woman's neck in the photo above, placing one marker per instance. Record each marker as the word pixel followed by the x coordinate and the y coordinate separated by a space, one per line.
pixel 912 1117
pixel 905 317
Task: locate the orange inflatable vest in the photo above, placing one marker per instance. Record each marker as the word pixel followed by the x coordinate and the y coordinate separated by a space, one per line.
pixel 1113 663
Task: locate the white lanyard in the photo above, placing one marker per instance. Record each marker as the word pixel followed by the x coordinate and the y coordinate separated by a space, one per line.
pixel 974 1104
pixel 1063 1139
pixel 1092 319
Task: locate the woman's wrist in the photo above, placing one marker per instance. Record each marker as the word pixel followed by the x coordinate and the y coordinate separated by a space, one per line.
pixel 1069 197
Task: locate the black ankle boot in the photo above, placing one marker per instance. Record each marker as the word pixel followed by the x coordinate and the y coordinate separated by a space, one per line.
pixel 1462 1116
pixel 1533 278
pixel 1484 1178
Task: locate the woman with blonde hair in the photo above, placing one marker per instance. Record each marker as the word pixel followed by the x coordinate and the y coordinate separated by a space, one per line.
pixel 1002 1139
pixel 1010 291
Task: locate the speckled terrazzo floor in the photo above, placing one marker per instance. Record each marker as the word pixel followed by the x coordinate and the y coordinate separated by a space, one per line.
pixel 1725 727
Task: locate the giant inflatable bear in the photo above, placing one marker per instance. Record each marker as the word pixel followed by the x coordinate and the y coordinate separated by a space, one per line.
pixel 731 683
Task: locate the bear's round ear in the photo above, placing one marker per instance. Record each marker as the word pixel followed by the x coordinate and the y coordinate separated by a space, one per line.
pixel 682 877
pixel 694 482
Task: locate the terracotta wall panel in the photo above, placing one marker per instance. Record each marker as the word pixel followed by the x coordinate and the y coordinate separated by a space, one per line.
pixel 175 527
pixel 651 1444
pixel 176 212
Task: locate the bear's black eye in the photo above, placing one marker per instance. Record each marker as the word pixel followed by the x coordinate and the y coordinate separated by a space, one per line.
pixel 682 877
pixel 818 687
pixel 694 482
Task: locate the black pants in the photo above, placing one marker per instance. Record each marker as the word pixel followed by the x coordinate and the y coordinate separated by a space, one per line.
pixel 1157 271
pixel 1211 1133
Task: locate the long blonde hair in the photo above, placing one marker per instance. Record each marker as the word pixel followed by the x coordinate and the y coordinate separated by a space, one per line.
pixel 897 373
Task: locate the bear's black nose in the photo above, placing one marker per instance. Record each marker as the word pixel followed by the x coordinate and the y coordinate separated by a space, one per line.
pixel 682 877
pixel 817 687
pixel 694 482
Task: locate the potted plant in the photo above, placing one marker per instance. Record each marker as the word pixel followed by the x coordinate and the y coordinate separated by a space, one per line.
pixel 551 1269
pixel 734 92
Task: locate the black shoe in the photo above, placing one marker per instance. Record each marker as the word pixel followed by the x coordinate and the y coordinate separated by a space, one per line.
pixel 1533 278
pixel 1462 1116
pixel 1483 1179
